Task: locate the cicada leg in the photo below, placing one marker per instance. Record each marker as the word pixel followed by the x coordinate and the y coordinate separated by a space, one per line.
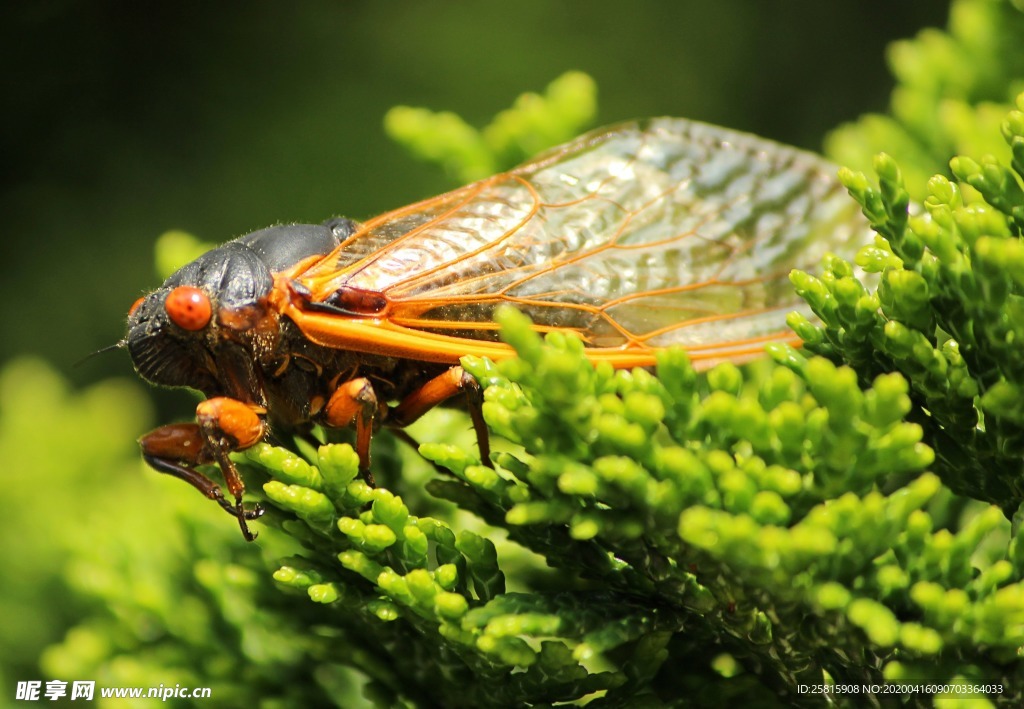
pixel 223 425
pixel 355 403
pixel 444 386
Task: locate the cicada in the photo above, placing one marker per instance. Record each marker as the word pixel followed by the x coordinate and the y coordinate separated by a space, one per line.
pixel 633 238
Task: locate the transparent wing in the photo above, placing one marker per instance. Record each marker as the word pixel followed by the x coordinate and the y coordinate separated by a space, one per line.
pixel 640 236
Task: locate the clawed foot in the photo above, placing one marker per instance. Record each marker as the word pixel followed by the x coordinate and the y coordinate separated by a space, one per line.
pixel 243 515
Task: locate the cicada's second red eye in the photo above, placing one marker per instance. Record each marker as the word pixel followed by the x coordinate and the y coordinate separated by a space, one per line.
pixel 188 308
pixel 135 305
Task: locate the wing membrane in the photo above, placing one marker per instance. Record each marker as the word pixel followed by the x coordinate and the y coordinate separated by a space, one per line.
pixel 644 235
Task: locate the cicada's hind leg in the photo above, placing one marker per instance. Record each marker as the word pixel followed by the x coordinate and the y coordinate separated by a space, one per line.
pixel 223 425
pixel 449 383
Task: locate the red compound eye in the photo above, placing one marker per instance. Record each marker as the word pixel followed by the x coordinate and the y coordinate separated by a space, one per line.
pixel 135 305
pixel 188 308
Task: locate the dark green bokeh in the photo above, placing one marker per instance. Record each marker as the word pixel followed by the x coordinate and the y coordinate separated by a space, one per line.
pixel 125 120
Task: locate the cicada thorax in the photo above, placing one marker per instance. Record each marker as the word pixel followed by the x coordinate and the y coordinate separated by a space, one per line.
pixel 301 377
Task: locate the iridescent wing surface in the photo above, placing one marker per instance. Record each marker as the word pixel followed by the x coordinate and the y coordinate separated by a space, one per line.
pixel 635 237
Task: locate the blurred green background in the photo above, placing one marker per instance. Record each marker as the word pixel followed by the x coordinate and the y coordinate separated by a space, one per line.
pixel 123 120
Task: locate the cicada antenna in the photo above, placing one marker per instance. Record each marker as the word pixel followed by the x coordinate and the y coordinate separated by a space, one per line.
pixel 120 344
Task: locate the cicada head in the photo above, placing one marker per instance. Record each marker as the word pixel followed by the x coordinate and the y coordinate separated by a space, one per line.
pixel 206 325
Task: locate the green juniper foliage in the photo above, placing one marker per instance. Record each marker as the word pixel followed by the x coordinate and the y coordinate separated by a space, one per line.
pixel 534 123
pixel 840 513
pixel 953 90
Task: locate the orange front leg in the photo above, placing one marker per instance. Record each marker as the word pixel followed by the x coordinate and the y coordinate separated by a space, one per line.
pixel 223 425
